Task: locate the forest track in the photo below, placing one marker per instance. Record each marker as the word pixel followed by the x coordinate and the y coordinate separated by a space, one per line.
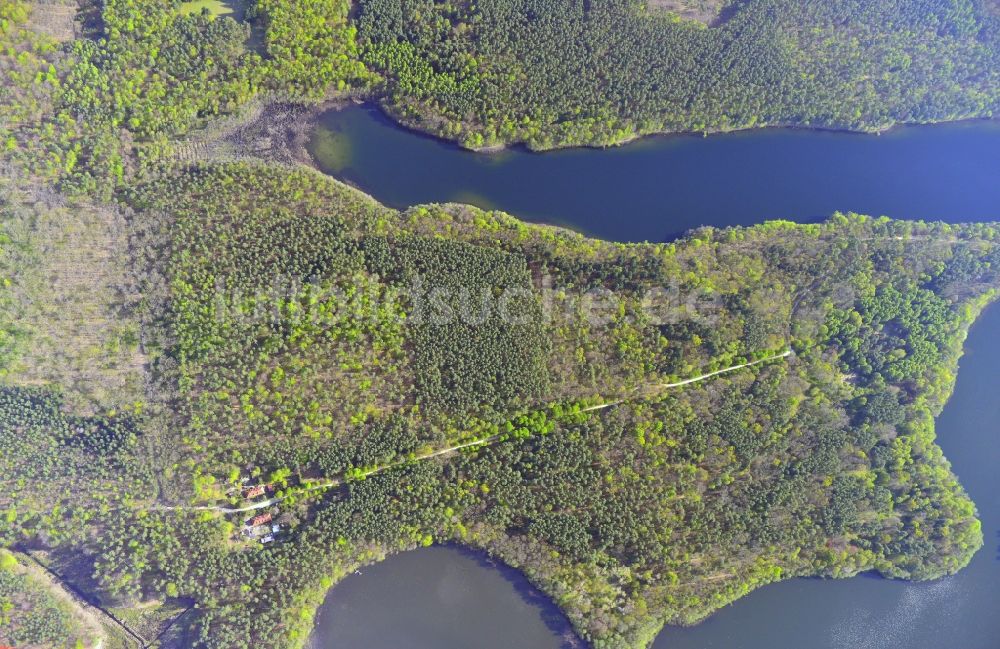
pixel 647 392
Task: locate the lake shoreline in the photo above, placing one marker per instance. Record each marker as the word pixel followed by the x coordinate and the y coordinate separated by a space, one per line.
pixel 294 145
pixel 743 612
pixel 414 127
pixel 394 149
pixel 658 189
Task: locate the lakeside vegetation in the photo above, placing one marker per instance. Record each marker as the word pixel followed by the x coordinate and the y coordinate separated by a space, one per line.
pixel 566 72
pixel 178 340
pixel 656 510
pixel 553 74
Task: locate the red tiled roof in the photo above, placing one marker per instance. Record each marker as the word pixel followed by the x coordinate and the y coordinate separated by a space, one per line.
pixel 260 520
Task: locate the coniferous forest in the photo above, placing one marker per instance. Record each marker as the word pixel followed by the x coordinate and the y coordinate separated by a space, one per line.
pixel 228 381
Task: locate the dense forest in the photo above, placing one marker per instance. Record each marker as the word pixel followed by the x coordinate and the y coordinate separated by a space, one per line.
pixel 224 385
pixel 79 114
pixel 561 72
pixel 672 502
pixel 281 349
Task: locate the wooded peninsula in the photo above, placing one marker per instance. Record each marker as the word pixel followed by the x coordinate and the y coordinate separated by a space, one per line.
pixel 225 384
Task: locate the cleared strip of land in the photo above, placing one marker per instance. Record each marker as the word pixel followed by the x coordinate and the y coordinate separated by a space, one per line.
pixel 649 390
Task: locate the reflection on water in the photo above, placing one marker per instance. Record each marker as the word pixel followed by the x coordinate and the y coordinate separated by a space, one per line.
pixel 659 187
pixel 335 146
pixel 440 598
pixel 863 628
pixel 472 198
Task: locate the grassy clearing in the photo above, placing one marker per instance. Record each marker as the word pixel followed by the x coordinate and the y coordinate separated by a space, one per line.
pixel 232 8
pixel 703 11
pixel 150 619
pixel 54 18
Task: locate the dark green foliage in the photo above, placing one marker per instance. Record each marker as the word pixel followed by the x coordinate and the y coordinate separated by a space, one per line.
pixel 966 266
pixel 302 333
pixel 842 510
pixel 881 408
pixel 567 532
pixel 475 327
pixel 676 500
pixel 904 334
pixel 104 435
pixel 295 329
pixel 623 273
pixel 61 470
pixel 28 617
pixel 728 425
pixel 562 72
pixel 383 441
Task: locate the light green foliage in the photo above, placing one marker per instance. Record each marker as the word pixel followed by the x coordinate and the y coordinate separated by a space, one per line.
pixel 283 335
pixel 563 72
pixel 674 502
pixel 311 46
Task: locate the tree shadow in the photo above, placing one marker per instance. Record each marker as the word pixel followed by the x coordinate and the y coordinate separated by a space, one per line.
pixel 551 615
pixel 727 12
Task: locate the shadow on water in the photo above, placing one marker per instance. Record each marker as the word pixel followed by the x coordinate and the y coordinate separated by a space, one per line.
pixel 548 611
pixel 657 188
pixel 442 597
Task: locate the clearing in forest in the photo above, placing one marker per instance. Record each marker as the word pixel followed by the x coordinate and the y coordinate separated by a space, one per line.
pixel 54 18
pixel 69 300
pixel 704 11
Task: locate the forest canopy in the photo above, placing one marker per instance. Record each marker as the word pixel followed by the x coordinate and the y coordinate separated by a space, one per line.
pixel 564 72
pixel 227 382
pixel 288 348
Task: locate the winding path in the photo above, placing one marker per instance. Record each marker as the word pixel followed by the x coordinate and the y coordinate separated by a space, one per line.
pixel 652 388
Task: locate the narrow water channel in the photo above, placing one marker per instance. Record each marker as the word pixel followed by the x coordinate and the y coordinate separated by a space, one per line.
pixel 657 188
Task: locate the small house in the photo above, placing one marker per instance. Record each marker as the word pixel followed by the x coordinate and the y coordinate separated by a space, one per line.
pixel 260 519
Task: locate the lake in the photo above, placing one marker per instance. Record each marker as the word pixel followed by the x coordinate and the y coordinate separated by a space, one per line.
pixel 440 598
pixel 656 188
pixel 448 598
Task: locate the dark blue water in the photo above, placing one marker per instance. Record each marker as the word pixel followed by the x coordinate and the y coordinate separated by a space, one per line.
pixel 659 187
pixel 958 612
pixel 440 598
pixel 443 598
